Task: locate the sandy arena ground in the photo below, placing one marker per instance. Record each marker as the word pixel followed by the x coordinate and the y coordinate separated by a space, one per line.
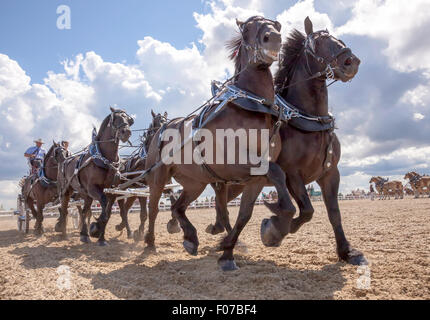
pixel 394 235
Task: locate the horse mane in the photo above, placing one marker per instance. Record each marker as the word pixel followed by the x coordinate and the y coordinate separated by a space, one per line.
pixel 103 126
pixel 290 52
pixel 48 154
pixel 234 46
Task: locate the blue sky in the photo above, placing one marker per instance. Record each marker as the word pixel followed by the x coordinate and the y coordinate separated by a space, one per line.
pixel 115 26
pixel 162 55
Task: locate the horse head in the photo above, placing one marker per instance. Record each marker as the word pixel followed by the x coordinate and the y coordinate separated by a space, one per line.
pixel 329 55
pixel 120 123
pixel 259 42
pixel 60 154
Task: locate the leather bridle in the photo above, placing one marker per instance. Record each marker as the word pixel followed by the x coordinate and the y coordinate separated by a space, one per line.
pixel 310 50
pixel 256 49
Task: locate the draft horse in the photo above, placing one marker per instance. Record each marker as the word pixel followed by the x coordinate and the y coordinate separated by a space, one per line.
pixel 254 51
pixel 310 149
pixel 93 171
pixel 41 188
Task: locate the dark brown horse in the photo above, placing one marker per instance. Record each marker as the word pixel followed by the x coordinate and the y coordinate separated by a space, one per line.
pixel 92 172
pixel 42 189
pixel 254 51
pixel 137 163
pixel 308 155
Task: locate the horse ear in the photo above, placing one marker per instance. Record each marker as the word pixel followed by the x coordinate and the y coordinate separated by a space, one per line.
pixel 309 28
pixel 165 114
pixel 278 26
pixel 240 24
pixel 54 143
pixel 153 113
pixel 112 109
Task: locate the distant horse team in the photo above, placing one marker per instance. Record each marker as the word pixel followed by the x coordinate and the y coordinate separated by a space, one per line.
pixel 292 107
pixel 419 186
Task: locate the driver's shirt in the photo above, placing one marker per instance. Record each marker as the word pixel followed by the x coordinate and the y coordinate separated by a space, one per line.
pixel 38 152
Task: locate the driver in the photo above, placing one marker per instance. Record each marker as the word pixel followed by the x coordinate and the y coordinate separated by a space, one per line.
pixel 35 155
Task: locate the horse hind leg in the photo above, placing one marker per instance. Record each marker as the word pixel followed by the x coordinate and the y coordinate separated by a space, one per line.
pixel 224 195
pixel 138 234
pixel 84 213
pixel 173 224
pixel 125 207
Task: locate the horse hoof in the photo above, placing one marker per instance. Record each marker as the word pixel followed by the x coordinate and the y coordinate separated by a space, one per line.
pixel 38 231
pixel 214 230
pixel 102 243
pixel 118 227
pixel 270 236
pixel 356 258
pixel 58 227
pixel 85 239
pixel 137 236
pixel 173 227
pixel 94 230
pixel 228 265
pixel 129 235
pixel 190 247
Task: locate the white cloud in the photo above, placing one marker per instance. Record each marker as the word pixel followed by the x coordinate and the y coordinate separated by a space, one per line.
pixel 8 191
pixel 401 24
pixel 294 18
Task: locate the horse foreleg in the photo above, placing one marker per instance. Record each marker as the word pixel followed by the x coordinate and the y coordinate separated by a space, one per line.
pixel 250 195
pixel 330 187
pixel 190 193
pixel 38 228
pixel 274 230
pixel 155 194
pixel 61 225
pixel 300 194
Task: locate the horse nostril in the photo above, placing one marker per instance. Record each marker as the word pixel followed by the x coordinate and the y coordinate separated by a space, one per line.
pixel 348 61
pixel 266 38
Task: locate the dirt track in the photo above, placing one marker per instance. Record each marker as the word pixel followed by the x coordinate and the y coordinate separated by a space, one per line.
pixel 394 235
